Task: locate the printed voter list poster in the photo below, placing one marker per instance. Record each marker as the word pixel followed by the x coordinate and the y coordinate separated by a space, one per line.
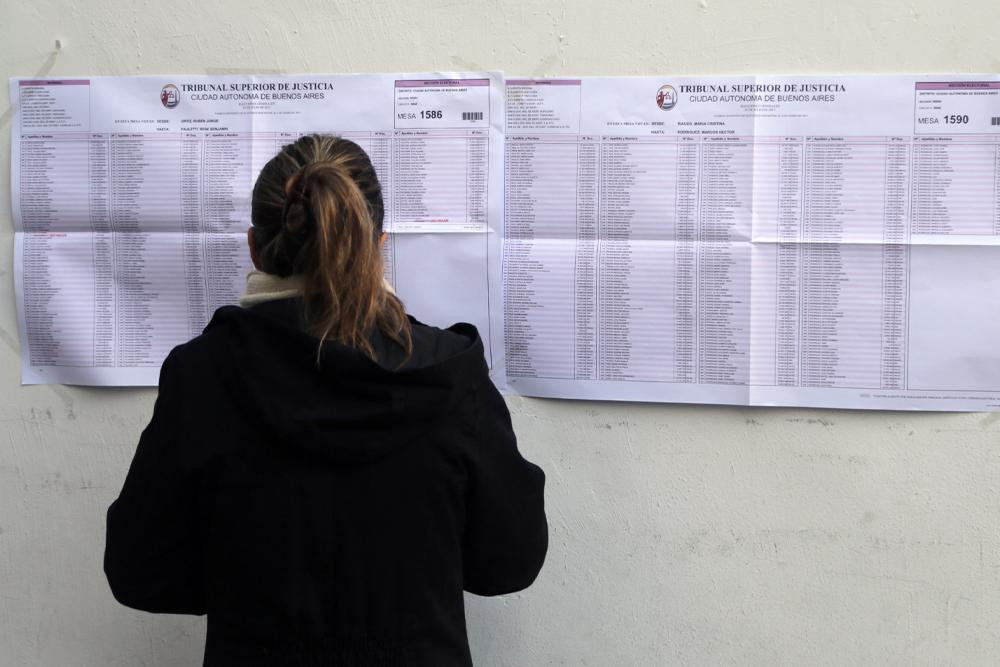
pixel 801 240
pixel 132 200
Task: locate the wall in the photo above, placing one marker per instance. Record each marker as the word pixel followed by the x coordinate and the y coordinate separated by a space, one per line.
pixel 680 535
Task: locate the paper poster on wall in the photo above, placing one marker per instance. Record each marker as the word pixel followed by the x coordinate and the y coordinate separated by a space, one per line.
pixel 782 240
pixel 131 203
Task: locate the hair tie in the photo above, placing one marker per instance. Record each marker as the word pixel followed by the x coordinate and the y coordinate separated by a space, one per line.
pixel 294 192
pixel 290 201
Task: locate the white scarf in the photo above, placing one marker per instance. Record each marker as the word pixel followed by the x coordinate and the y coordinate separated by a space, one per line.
pixel 263 287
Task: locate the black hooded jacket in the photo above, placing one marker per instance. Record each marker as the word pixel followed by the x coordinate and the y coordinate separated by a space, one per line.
pixel 331 515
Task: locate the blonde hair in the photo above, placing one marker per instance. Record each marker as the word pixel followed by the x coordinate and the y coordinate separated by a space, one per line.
pixel 317 212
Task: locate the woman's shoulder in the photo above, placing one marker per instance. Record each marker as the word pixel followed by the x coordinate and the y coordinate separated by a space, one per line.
pixel 432 344
pixel 274 330
pixel 457 348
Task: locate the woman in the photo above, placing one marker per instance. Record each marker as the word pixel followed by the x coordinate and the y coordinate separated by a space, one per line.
pixel 322 474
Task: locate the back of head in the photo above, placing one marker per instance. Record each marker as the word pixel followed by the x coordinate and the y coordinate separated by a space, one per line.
pixel 317 213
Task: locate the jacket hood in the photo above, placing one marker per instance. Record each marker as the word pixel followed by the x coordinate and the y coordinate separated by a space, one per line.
pixel 348 408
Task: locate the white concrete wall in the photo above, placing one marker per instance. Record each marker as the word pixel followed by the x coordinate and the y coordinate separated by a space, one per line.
pixel 680 535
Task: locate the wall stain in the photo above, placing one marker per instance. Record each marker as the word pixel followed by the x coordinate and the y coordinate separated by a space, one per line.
pixel 216 71
pixel 827 457
pixel 810 420
pixel 989 420
pixel 5 336
pixel 468 65
pixel 544 65
pixel 40 73
pixel 67 398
